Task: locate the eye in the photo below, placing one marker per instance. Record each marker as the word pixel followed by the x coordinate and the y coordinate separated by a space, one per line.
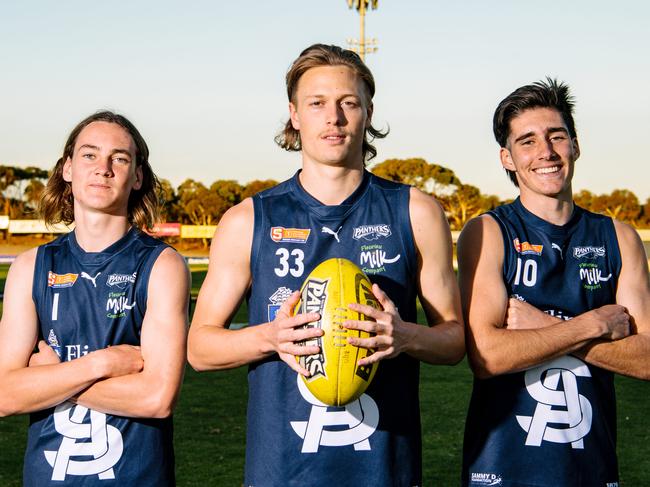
pixel 350 104
pixel 121 160
pixel 557 138
pixel 316 103
pixel 88 155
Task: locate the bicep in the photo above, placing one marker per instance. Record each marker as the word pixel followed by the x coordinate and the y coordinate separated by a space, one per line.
pixel 19 324
pixel 229 273
pixel 438 288
pixel 164 329
pixel 483 292
pixel 633 283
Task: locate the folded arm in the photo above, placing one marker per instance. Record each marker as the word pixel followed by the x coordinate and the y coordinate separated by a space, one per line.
pixel 26 389
pixel 495 349
pixel 152 392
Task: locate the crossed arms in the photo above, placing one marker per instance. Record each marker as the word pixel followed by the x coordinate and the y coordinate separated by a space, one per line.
pixel 122 380
pixel 505 335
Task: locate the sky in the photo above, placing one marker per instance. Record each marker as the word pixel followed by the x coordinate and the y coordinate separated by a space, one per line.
pixel 203 80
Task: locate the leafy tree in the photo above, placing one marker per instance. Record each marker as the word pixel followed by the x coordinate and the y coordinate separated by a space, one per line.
pixel 465 203
pixel 430 178
pixel 256 186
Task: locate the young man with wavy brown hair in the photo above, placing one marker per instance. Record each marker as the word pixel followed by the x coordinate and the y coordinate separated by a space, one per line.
pixel 107 307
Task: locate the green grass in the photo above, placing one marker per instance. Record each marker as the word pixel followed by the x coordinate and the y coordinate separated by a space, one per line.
pixel 211 414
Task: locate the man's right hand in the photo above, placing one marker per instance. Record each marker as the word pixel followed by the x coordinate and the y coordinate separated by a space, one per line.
pixel 614 319
pixel 120 360
pixel 285 331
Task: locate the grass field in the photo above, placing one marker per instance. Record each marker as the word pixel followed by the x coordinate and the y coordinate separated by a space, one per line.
pixel 210 426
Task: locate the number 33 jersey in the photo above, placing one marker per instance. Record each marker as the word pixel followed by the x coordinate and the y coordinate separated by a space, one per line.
pixel 554 424
pixel 86 302
pixel 292 438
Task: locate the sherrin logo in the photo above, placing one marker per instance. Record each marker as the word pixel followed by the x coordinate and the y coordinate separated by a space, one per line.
pixel 297 235
pixel 371 232
pixel 61 280
pixel 526 248
pixel 588 252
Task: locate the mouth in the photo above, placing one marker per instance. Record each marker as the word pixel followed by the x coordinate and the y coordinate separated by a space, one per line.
pixel 548 169
pixel 334 137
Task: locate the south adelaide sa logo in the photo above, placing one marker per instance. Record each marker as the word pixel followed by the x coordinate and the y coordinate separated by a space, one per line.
pixel 61 280
pixel 334 427
pixel 89 446
pixel 312 300
pixel 562 414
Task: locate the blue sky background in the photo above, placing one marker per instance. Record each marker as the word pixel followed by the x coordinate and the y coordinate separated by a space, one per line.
pixel 204 80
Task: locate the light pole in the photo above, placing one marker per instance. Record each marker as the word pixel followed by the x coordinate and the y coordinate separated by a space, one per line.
pixel 363 45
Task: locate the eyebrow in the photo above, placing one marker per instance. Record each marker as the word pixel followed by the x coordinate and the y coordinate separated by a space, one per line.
pixel 114 151
pixel 549 131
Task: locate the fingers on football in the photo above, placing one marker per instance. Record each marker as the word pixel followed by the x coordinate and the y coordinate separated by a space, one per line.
pixel 383 299
pixel 290 360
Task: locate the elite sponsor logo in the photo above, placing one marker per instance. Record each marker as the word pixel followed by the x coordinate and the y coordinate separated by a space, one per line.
pixel 121 280
pixel 296 235
pixel 61 280
pixel 526 248
pixel 333 427
pixel 592 276
pixel 89 445
pixel 562 415
pixel 480 478
pixel 589 252
pixel 118 304
pixel 313 299
pixel 373 259
pixel 371 232
pixel 276 299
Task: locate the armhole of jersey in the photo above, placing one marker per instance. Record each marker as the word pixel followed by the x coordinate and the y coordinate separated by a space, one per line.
pixel 615 260
pixel 258 218
pixel 406 232
pixel 142 292
pixel 508 263
pixel 38 290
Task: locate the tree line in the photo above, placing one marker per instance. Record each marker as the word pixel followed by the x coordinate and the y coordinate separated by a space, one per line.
pixel 194 203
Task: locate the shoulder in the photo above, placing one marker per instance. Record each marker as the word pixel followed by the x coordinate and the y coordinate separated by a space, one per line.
pixel 629 240
pixel 238 218
pixel 424 207
pixel 481 232
pixel 24 262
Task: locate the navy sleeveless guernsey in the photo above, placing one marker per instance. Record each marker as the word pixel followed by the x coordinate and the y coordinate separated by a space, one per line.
pixel 85 302
pixel 292 439
pixel 552 425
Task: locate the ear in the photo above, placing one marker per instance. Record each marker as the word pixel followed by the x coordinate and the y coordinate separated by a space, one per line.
pixel 369 111
pixel 67 171
pixel 576 149
pixel 506 159
pixel 138 178
pixel 293 115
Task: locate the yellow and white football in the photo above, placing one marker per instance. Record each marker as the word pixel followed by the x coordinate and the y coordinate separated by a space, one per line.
pixel 336 378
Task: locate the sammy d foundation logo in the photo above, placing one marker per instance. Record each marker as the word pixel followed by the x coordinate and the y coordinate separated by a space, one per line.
pixel 121 280
pixel 277 298
pixel 327 426
pixel 479 478
pixel 371 232
pixel 554 386
pixel 89 445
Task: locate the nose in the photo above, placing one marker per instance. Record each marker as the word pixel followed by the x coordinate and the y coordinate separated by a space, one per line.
pixel 335 115
pixel 104 166
pixel 547 151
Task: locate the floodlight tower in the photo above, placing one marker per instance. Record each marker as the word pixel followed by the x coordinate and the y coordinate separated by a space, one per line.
pixel 363 45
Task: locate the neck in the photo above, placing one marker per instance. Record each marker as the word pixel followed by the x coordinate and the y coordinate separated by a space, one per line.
pixel 556 209
pixel 330 185
pixel 95 231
